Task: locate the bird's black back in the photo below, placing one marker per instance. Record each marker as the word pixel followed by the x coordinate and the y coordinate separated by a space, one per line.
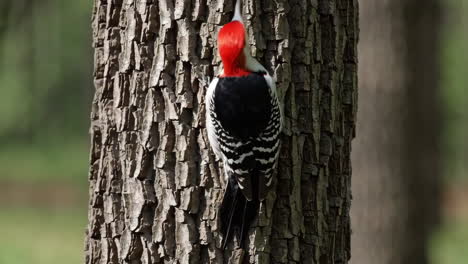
pixel 243 105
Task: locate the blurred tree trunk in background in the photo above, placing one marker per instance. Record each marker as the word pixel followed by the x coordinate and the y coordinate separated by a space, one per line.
pixel 396 161
pixel 379 201
pixel 155 187
pixel 424 123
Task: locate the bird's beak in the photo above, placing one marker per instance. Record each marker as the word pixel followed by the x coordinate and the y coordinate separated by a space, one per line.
pixel 237 12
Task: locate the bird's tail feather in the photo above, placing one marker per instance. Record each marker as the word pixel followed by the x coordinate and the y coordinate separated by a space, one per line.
pixel 236 214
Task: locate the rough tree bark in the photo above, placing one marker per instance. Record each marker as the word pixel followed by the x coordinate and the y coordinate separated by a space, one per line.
pixel 154 184
pixel 395 157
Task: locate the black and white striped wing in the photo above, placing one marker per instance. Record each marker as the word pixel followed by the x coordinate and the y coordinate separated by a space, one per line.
pixel 266 147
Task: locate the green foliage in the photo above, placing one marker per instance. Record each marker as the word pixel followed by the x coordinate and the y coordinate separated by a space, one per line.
pixel 57 162
pixel 448 245
pixel 45 71
pixel 454 94
pixel 42 236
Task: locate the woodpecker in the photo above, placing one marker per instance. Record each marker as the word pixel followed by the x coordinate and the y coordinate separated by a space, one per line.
pixel 243 120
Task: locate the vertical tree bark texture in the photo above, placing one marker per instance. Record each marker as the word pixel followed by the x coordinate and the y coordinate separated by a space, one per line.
pixel 396 169
pixel 154 184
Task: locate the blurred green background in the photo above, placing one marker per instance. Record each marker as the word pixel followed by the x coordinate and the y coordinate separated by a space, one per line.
pixel 46 89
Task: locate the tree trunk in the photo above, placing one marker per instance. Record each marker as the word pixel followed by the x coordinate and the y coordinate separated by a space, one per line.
pixel 395 157
pixel 154 184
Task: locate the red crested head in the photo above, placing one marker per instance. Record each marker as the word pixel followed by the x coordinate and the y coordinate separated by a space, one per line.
pixel 231 42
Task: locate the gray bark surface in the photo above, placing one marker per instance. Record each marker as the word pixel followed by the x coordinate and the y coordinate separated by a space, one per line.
pixel 396 181
pixel 154 183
